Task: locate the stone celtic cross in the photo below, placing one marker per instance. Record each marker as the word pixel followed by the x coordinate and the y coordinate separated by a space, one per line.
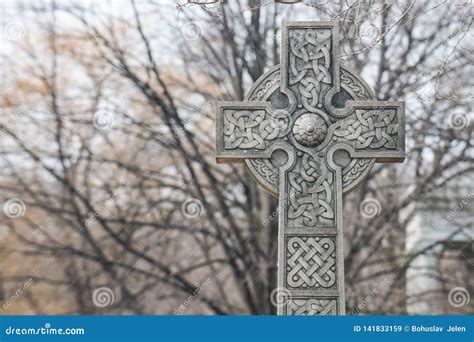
pixel 310 130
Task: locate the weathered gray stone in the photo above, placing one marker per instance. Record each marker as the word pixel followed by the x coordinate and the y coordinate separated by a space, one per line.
pixel 308 131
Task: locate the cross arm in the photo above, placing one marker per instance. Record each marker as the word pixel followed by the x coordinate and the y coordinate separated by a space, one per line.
pixel 245 130
pixel 374 129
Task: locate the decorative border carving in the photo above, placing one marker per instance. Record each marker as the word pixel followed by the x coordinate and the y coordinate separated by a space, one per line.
pixel 301 306
pixel 310 193
pixel 310 262
pixel 264 171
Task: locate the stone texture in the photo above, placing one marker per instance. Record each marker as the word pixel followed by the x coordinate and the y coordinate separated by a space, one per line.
pixel 308 131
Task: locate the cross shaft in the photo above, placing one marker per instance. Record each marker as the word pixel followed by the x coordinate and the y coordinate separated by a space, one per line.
pixel 309 131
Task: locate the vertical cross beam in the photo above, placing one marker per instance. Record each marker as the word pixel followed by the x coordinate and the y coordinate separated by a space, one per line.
pixel 314 145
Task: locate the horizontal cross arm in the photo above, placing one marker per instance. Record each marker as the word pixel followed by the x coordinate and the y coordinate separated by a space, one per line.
pixel 374 129
pixel 245 130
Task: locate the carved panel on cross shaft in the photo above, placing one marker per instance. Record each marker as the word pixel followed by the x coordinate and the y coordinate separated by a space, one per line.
pixel 310 193
pixel 310 262
pixel 311 307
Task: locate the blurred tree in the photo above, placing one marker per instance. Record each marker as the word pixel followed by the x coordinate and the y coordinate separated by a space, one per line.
pixel 108 140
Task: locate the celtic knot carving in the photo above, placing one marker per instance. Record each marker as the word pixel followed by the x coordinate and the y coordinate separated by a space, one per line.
pixel 248 129
pixel 310 193
pixel 370 129
pixel 311 262
pixel 311 307
pixel 357 167
pixel 300 124
pixel 265 170
pixel 351 83
pixel 262 90
pixel 309 63
pixel 269 174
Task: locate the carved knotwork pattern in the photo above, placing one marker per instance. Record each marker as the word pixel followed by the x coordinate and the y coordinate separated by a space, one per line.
pixel 309 192
pixel 266 171
pixel 263 91
pixel 351 83
pixel 311 262
pixel 249 129
pixel 370 129
pixel 305 181
pixel 311 307
pixel 309 64
pixel 355 169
